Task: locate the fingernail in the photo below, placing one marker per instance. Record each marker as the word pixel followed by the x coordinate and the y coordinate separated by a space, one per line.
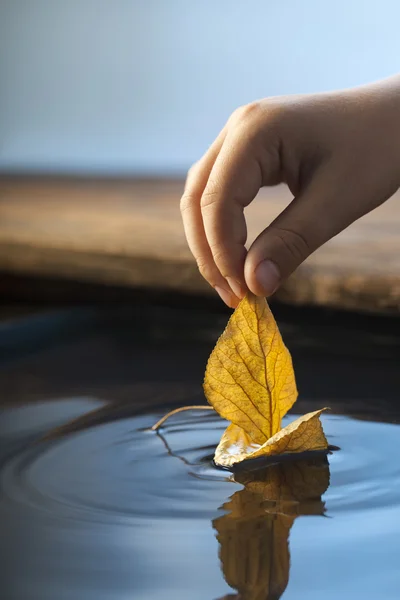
pixel 226 296
pixel 236 287
pixel 268 276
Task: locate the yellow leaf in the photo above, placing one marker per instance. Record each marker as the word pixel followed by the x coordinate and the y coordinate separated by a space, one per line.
pixel 249 378
pixel 302 435
pixel 254 533
pixel 250 381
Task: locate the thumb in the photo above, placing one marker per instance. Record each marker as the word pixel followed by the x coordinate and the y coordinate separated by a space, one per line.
pixel 308 222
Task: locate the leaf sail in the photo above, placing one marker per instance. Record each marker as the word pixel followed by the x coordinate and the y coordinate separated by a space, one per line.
pixel 249 377
pixel 250 381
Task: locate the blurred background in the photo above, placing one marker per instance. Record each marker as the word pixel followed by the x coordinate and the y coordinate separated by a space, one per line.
pixel 131 87
pixel 104 106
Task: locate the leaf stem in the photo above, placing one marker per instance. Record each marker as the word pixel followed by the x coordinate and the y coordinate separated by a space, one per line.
pixel 178 410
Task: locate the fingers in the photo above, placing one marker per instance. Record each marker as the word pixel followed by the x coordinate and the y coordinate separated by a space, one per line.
pixel 218 189
pixel 234 181
pixel 193 223
pixel 304 143
pixel 318 214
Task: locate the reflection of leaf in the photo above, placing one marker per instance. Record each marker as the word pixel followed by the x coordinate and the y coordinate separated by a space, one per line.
pixel 253 535
pixel 292 488
pixel 250 381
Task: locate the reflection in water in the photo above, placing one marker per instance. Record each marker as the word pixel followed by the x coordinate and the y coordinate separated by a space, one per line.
pixel 254 534
pixel 104 511
pixel 108 512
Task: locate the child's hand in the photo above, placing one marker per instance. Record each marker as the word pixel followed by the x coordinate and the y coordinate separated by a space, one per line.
pixel 339 153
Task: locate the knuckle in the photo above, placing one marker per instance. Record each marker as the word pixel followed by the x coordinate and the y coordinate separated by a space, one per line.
pixel 220 261
pixel 271 111
pixel 216 249
pixel 204 269
pixel 235 116
pixel 294 243
pixel 211 195
pixel 186 202
pixel 245 112
pixel 250 110
pixel 220 257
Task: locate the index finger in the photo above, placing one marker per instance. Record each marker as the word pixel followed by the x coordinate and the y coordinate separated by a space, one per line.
pixel 193 222
pixel 233 183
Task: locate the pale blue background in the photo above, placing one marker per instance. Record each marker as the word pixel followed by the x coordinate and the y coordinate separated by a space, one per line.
pixel 144 86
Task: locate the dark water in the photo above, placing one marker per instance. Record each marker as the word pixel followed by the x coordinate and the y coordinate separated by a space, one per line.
pixel 111 510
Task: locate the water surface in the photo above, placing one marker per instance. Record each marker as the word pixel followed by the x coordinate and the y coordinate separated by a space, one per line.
pixel 116 510
pixel 111 510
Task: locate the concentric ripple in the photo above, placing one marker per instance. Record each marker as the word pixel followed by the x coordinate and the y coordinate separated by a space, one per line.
pixel 121 470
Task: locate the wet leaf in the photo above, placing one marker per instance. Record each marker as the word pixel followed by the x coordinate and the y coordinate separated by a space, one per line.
pixel 254 533
pixel 303 435
pixel 250 381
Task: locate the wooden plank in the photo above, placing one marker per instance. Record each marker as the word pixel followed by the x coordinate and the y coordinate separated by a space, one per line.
pixel 129 233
